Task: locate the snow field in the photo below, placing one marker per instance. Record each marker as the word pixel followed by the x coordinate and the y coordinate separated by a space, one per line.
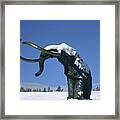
pixel 52 95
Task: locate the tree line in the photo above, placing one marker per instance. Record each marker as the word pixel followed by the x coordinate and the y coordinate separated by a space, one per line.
pixel 58 89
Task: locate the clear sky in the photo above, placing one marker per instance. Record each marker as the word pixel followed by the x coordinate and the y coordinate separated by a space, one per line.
pixel 83 35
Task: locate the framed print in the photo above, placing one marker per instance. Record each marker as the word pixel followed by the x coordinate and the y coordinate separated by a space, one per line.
pixel 60 59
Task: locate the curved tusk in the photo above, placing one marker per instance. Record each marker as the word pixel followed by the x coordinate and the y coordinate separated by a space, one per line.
pixel 29 60
pixel 41 49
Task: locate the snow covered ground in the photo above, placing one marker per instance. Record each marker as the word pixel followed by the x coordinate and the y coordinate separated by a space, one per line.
pixel 52 95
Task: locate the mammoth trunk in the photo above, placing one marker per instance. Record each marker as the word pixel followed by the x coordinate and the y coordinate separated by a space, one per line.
pixel 41 67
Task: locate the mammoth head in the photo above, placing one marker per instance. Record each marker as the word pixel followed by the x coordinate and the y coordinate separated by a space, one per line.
pixel 45 54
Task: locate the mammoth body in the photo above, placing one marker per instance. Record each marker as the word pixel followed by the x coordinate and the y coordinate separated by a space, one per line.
pixel 78 74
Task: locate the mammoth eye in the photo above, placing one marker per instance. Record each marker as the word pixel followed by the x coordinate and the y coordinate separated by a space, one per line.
pixel 43 55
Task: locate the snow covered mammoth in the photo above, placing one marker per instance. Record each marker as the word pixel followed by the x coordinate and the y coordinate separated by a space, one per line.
pixel 78 74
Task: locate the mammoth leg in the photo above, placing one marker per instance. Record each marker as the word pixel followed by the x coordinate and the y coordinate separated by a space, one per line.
pixel 70 83
pixel 87 87
pixel 78 89
pixel 87 91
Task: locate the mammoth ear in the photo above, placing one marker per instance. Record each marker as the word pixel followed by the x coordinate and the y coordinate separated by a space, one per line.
pixel 53 53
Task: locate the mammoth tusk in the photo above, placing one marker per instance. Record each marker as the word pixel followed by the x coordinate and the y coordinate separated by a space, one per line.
pixel 29 60
pixel 41 49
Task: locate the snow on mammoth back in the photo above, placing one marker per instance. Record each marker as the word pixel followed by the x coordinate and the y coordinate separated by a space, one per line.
pixel 63 46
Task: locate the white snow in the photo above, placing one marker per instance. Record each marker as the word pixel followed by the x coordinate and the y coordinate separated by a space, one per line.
pixel 52 95
pixel 81 65
pixel 49 47
pixel 62 46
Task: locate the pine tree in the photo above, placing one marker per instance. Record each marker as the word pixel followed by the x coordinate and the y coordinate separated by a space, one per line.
pixel 59 89
pixel 39 90
pixel 48 89
pixel 44 90
pixel 22 89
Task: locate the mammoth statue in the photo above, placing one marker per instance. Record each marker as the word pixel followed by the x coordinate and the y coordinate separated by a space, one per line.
pixel 78 74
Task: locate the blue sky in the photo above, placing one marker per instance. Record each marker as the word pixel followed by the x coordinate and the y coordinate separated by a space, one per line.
pixel 83 35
